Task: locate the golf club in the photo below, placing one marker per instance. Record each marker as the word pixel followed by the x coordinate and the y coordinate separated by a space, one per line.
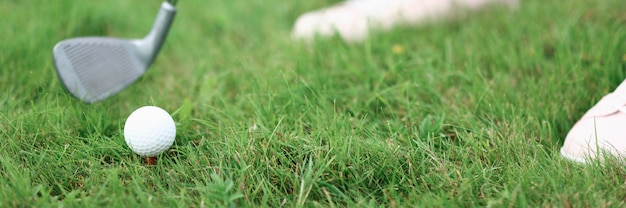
pixel 95 68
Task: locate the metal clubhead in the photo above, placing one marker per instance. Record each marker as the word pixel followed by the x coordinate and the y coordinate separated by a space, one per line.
pixel 95 68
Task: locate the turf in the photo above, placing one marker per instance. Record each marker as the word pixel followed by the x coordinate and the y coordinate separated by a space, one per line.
pixel 470 112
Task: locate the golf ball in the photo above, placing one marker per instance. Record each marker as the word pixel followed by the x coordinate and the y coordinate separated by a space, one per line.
pixel 149 131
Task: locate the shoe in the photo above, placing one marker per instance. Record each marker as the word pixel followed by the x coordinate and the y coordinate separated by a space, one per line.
pixel 602 130
pixel 353 19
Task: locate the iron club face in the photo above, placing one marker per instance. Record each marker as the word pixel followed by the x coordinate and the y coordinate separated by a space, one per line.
pixel 95 68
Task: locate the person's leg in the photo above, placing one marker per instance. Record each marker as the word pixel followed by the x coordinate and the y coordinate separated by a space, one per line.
pixel 353 19
pixel 601 130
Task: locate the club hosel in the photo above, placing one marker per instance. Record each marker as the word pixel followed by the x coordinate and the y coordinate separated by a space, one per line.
pixel 149 46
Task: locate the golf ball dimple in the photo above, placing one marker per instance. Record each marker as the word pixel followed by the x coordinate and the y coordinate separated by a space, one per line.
pixel 149 131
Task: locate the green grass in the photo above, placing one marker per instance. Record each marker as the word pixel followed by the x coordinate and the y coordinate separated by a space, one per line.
pixel 471 113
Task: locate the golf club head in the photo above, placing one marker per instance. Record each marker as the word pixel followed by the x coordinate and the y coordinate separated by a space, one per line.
pixel 95 68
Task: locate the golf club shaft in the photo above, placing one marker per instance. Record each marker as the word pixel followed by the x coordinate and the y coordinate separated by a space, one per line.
pixel 149 46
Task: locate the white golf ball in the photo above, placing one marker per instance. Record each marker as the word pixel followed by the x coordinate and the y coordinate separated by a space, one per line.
pixel 149 131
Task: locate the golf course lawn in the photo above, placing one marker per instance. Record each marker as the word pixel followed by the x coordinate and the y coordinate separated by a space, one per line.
pixel 470 112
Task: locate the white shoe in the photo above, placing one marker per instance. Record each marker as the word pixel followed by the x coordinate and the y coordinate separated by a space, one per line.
pixel 602 130
pixel 353 19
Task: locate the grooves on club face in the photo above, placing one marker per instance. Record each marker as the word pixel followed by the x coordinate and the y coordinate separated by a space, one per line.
pixel 95 68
